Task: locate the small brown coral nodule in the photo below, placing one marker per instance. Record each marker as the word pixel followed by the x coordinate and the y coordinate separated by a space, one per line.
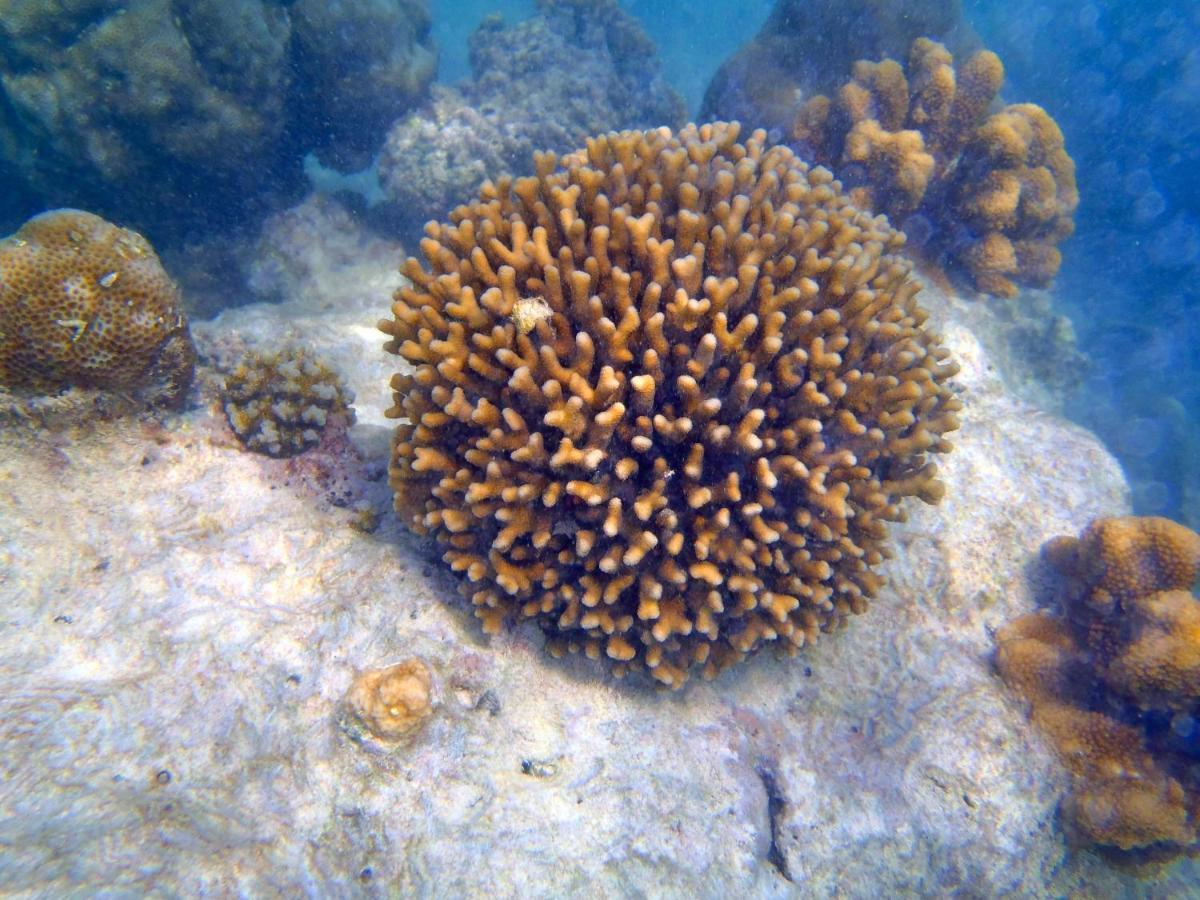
pixel 1115 683
pixel 392 703
pixel 997 192
pixel 279 403
pixel 86 303
pixel 696 453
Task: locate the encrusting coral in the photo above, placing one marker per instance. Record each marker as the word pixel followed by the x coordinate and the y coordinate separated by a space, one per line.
pixel 696 451
pixel 1115 683
pixel 86 303
pixel 279 403
pixel 991 194
pixel 392 704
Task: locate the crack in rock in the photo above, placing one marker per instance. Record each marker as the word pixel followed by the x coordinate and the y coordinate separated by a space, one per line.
pixel 775 802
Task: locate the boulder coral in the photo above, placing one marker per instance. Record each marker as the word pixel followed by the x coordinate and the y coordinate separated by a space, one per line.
pixel 1114 683
pixel 990 194
pixel 95 95
pixel 693 445
pixel 86 303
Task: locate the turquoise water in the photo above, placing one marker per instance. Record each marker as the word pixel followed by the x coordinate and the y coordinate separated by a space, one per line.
pixel 1123 80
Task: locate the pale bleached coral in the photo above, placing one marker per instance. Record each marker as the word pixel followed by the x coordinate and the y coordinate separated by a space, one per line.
pixel 574 69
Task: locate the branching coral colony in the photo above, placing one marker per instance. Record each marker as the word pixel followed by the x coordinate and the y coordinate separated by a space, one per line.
pixel 1114 681
pixel 692 448
pixel 992 195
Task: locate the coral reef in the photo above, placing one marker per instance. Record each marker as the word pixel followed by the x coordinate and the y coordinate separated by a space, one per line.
pixel 279 403
pixel 392 704
pixel 696 453
pixel 437 157
pixel 1114 683
pixel 171 605
pixel 573 70
pixel 989 194
pixel 86 303
pixel 92 98
pixel 805 45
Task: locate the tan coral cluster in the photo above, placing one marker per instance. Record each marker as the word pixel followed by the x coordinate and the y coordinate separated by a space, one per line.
pixel 393 703
pixel 998 191
pixel 279 403
pixel 86 303
pixel 1115 683
pixel 697 450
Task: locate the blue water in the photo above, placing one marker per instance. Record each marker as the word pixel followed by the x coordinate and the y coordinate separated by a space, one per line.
pixel 1123 81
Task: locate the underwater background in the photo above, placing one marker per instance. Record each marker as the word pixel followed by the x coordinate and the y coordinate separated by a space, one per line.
pixel 231 537
pixel 1123 82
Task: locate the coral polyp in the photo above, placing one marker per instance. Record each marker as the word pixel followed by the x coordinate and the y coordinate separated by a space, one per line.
pixel 86 303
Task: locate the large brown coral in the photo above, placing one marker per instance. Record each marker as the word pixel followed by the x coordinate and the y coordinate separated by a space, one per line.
pixel 996 193
pixel 97 99
pixel 84 302
pixel 391 704
pixel 1115 683
pixel 697 449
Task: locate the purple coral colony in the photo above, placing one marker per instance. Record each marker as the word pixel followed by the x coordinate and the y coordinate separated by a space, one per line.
pixel 654 380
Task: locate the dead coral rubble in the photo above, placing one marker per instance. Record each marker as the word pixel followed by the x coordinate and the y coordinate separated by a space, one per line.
pixel 86 303
pixel 696 452
pixel 1115 683
pixel 995 193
